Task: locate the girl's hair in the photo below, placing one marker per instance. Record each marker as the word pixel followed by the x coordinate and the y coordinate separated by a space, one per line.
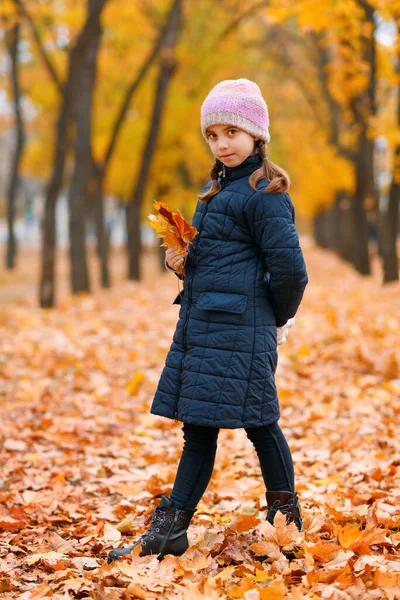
pixel 279 180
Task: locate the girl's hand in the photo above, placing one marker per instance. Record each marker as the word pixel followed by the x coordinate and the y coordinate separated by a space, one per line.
pixel 291 322
pixel 176 260
pixel 281 335
pixel 282 332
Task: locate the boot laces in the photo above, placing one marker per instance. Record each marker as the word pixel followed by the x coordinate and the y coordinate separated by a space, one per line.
pixel 284 508
pixel 155 516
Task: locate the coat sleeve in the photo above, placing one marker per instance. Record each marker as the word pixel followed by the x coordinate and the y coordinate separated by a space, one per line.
pixel 173 270
pixel 270 219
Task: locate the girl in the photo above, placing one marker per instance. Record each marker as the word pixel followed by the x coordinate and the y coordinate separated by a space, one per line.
pixel 244 279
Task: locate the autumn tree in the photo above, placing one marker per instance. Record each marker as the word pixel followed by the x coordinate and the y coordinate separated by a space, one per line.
pixel 347 70
pixel 347 219
pixel 83 158
pixel 67 90
pixel 389 217
pixel 12 26
pixel 12 38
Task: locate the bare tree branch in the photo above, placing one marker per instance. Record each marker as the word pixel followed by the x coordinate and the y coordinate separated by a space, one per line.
pixel 36 36
pixel 131 90
pixel 323 60
pixel 236 22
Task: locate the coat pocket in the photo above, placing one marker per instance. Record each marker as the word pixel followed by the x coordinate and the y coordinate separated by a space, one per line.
pixel 223 302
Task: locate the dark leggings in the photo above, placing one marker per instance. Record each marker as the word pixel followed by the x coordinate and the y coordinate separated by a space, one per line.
pixel 198 456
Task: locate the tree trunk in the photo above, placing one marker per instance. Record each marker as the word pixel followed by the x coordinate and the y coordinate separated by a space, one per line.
pixel 319 228
pixel 364 189
pixel 133 209
pixel 389 218
pixel 12 38
pixel 364 107
pixel 132 214
pixel 346 228
pixel 47 282
pixel 103 234
pixel 78 193
pixel 389 226
pixel 334 232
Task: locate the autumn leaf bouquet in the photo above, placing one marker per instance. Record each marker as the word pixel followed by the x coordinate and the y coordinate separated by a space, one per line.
pixel 172 227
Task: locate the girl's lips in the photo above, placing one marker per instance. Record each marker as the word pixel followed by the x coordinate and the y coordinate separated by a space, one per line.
pixel 227 156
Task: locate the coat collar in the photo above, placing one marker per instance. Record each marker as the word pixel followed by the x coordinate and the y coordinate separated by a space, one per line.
pixel 247 167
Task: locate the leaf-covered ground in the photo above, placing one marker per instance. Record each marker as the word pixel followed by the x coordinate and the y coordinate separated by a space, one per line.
pixel 83 462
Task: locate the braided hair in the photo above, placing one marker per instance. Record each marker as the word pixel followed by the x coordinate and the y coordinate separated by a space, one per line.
pixel 279 180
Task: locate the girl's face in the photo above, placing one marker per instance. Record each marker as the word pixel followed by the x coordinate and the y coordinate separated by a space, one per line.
pixel 230 144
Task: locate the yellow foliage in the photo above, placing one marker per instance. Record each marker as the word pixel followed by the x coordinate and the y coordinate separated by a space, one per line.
pixel 8 14
pixel 133 385
pixel 207 53
pixel 349 534
pixel 316 171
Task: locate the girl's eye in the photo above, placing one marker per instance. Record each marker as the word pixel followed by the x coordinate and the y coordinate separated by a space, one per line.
pixel 212 135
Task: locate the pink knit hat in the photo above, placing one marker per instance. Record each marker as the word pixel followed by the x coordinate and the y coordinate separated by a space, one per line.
pixel 236 102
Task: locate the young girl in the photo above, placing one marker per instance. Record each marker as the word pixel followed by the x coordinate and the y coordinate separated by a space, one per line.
pixel 244 279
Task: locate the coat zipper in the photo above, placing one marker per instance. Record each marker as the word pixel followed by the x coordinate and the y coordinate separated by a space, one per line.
pixel 184 336
pixel 188 314
pixel 190 285
pixel 174 522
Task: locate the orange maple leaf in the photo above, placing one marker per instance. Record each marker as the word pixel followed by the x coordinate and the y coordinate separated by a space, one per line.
pixel 165 212
pixel 171 227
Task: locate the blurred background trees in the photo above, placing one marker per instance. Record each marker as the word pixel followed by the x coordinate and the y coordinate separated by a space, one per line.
pixel 100 114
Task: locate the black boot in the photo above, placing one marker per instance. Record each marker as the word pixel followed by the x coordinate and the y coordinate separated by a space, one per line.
pixel 167 534
pixel 287 503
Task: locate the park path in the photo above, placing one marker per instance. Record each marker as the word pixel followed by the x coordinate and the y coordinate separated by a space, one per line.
pixel 82 459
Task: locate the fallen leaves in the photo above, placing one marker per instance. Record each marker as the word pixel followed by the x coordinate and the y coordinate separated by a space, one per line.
pixel 47 559
pixel 10 524
pixel 84 462
pixel 349 535
pixel 133 385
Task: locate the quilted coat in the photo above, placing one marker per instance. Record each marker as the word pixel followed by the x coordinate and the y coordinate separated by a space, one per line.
pixel 245 275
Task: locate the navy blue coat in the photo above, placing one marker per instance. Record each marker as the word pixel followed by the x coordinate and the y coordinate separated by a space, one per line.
pixel 245 275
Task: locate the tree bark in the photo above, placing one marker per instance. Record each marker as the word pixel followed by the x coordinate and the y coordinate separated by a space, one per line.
pixel 389 225
pixel 364 189
pixel 103 233
pixel 12 39
pixel 319 228
pixel 78 193
pixel 334 231
pixel 390 229
pixel 364 107
pixel 133 209
pixel 346 242
pixel 47 282
pixel 389 217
